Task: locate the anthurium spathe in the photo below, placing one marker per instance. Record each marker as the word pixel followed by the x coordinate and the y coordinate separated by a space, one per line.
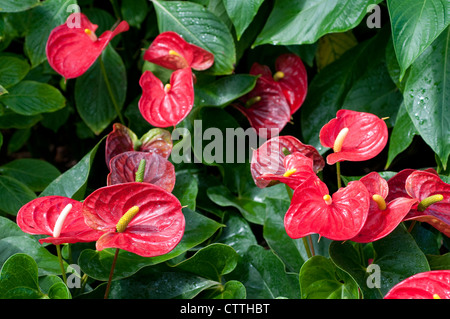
pixel 433 284
pixel 383 216
pixel 269 158
pixel 298 168
pixel 58 217
pixel 171 51
pixel 164 106
pixel 337 217
pixel 158 170
pixel 433 196
pixel 354 136
pixel 138 217
pixel 121 139
pixel 73 46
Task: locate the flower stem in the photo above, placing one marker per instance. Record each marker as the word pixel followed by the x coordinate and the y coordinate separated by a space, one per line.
pixel 338 173
pixel 111 273
pixel 61 263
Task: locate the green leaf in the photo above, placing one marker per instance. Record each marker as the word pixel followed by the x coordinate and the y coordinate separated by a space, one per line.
pixel 427 96
pixel 12 70
pixel 399 245
pixel 134 12
pixel 13 195
pixel 302 22
pixel 211 262
pixel 225 90
pixel 72 183
pixel 17 5
pixel 97 264
pixel 264 276
pixel 13 120
pixel 32 98
pixel 19 278
pixel 100 92
pixel 233 289
pixel 186 189
pixel 415 25
pixel 402 135
pixel 43 20
pixel 321 279
pixel 54 287
pixel 199 26
pixel 34 173
pixel 242 13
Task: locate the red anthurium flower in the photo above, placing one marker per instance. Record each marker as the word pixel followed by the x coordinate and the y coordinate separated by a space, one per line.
pixel 122 139
pixel 158 170
pixel 265 107
pixel 171 51
pixel 269 158
pixel 71 49
pixel 164 106
pixel 290 76
pixel 383 216
pixel 138 217
pixel 433 284
pixel 57 216
pixel 433 196
pixel 337 217
pixel 298 168
pixel 354 136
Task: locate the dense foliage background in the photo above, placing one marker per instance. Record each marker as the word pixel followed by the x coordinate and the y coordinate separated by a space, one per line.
pixel 392 60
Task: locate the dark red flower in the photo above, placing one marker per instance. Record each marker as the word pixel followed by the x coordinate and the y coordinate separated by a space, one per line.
pixel 71 49
pixel 138 217
pixel 337 217
pixel 171 51
pixel 158 170
pixel 433 284
pixel 383 216
pixel 269 158
pixel 164 106
pixel 354 136
pixel 121 139
pixel 58 217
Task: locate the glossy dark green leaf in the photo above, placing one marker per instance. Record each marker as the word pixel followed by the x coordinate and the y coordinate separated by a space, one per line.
pixel 34 173
pixel 399 245
pixel 17 6
pixel 199 26
pixel 12 70
pixel 427 96
pixel 242 13
pixel 134 12
pixel 19 278
pixel 211 262
pixel 439 262
pixel 72 183
pixel 13 120
pixel 100 92
pixel 44 18
pixel 321 279
pixel 54 287
pixel 32 98
pixel 415 25
pixel 13 195
pixel 186 189
pixel 233 289
pixel 302 22
pixel 98 264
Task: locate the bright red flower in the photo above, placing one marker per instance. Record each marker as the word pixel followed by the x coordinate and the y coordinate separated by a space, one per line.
pixel 158 170
pixel 433 196
pixel 337 217
pixel 58 217
pixel 354 136
pixel 433 284
pixel 269 158
pixel 121 139
pixel 297 169
pixel 164 106
pixel 290 76
pixel 71 49
pixel 138 217
pixel 383 216
pixel 171 51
